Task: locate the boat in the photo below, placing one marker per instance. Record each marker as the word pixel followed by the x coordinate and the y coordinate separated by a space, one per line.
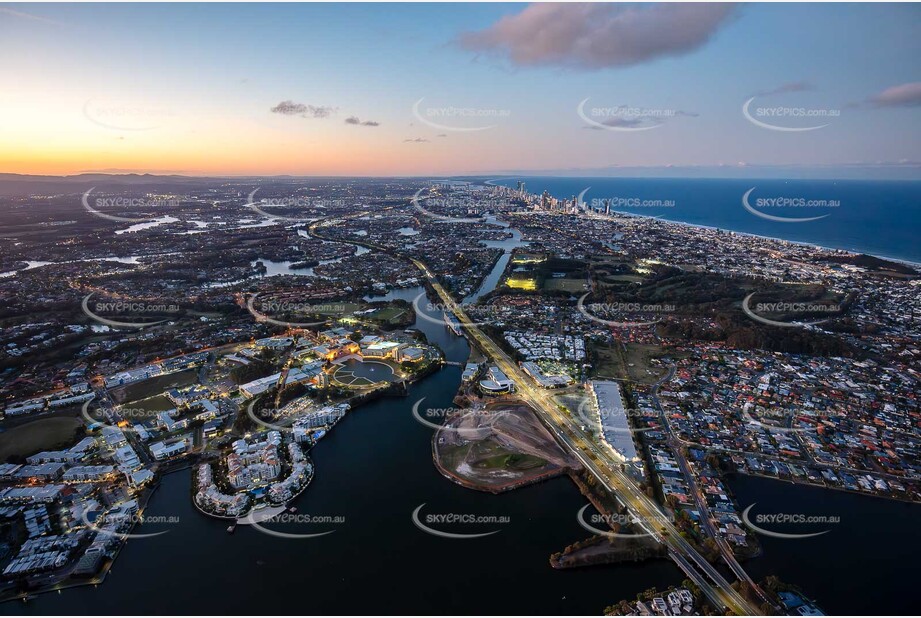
pixel 232 527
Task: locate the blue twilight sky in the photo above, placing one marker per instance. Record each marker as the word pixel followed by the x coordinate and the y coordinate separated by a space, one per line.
pixel 331 89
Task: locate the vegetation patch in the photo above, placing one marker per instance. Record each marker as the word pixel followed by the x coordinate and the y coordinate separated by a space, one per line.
pixel 41 435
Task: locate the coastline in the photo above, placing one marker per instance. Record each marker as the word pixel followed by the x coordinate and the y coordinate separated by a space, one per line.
pixel 904 261
pixel 801 243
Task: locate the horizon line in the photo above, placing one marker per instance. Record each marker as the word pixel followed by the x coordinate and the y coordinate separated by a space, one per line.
pixel 643 173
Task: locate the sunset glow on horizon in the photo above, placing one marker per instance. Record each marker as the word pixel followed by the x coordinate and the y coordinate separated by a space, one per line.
pixel 447 89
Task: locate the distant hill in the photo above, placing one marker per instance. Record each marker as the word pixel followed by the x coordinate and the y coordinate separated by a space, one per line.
pixel 22 184
pixel 12 185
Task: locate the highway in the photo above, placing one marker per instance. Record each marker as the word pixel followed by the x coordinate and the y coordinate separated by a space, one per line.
pixel 700 501
pixel 710 581
pixel 714 585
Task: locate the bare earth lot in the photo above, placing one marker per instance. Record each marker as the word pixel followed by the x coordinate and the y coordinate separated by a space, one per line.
pixel 632 364
pixel 499 448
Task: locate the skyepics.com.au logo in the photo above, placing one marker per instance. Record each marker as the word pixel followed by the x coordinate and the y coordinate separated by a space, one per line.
pixel 611 420
pixel 459 119
pixel 610 204
pixel 264 413
pixel 784 201
pixel 763 523
pixel 776 416
pixel 456 525
pixel 300 415
pixel 117 523
pixel 93 206
pixel 295 314
pixel 431 415
pixel 121 115
pixel 625 118
pixel 436 418
pixel 593 311
pixel 457 315
pixel 122 417
pixel 800 308
pixel 123 309
pixel 613 523
pixel 309 208
pixel 295 526
pixel 786 118
pixel 452 204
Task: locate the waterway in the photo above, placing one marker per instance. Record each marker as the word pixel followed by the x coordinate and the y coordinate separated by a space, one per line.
pixel 137 227
pixel 284 267
pixel 131 260
pixel 861 565
pixel 507 245
pixel 374 469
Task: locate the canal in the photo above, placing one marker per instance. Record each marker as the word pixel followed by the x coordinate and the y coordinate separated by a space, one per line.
pixel 372 471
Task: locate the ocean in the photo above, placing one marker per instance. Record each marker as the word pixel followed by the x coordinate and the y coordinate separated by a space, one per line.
pixel 376 467
pixel 881 218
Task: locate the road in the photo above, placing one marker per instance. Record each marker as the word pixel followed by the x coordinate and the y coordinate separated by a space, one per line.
pixel 714 586
pixel 710 581
pixel 700 500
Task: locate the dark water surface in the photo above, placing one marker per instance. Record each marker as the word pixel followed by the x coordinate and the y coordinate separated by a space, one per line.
pixel 374 469
pixel 863 565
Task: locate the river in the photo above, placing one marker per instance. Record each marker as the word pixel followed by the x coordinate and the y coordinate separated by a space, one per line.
pixel 861 565
pixel 507 245
pixel 374 469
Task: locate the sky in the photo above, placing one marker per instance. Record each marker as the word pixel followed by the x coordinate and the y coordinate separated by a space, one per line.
pixel 453 89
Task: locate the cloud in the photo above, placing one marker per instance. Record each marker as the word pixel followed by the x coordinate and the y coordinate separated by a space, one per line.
pixel 789 87
pixel 442 135
pixel 417 140
pixel 620 121
pixel 290 108
pixel 357 121
pixel 903 95
pixel 30 16
pixel 598 36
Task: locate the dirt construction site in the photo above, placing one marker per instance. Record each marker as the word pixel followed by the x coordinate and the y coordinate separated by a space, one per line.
pixel 498 447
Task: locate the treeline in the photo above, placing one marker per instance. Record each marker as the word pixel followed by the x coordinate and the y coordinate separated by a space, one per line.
pixel 871 262
pixel 738 331
pixel 257 368
pixel 689 292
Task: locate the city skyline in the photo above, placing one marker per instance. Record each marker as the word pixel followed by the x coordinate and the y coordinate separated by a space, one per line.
pixel 414 90
pixel 509 309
